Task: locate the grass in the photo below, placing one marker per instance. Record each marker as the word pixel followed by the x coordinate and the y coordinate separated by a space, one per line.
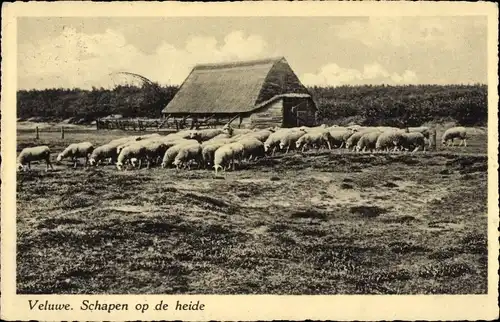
pixel 312 223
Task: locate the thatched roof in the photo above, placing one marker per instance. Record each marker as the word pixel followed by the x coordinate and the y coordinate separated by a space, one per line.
pixel 236 87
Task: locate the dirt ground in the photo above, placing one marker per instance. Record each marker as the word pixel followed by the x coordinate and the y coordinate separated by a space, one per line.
pixel 326 222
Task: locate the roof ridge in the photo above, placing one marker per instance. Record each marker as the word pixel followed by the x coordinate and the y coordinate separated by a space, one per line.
pixel 238 63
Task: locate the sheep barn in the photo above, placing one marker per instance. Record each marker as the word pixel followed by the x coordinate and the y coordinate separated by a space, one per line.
pixel 250 94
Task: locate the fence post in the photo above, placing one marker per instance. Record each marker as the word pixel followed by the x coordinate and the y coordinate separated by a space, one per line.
pixel 434 139
pixel 62 132
pixel 37 136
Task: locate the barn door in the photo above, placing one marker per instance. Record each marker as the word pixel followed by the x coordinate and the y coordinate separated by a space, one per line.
pixel 289 116
pixel 300 114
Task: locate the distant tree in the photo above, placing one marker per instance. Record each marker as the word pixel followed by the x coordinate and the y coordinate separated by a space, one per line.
pixel 370 105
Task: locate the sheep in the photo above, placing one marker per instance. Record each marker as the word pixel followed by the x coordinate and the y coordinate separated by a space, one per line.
pixel 205 135
pixel 352 141
pixel 184 134
pixel 149 150
pixel 123 140
pixel 314 138
pixel 415 140
pixel 154 151
pixel 428 132
pixel 368 141
pixel 186 154
pixel 232 132
pixel 36 153
pixel 108 150
pixel 121 146
pixel 252 148
pixel 455 132
pixel 146 136
pixel 336 127
pixel 171 152
pixel 339 136
pixel 425 130
pixel 217 142
pixel 308 129
pixel 137 151
pixel 218 137
pixel 355 127
pixel 386 139
pixel 386 128
pixel 260 135
pixel 164 140
pixel 208 151
pixel 225 155
pixel 274 139
pixel 75 151
pixel 222 157
pixel 290 139
pixel 238 150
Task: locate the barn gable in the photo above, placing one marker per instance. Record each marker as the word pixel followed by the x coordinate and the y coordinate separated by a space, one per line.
pixel 235 88
pixel 281 80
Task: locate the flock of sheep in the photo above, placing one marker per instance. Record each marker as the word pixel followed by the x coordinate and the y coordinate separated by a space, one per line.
pixel 220 148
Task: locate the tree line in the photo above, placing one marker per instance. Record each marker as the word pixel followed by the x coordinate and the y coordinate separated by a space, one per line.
pixel 409 105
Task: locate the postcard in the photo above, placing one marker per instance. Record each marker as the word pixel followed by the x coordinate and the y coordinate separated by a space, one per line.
pixel 249 161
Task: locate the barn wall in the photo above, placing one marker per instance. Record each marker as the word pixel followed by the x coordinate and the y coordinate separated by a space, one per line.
pixel 245 122
pixel 270 115
pixel 304 109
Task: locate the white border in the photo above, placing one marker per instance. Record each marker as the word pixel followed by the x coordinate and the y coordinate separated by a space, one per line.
pixel 255 307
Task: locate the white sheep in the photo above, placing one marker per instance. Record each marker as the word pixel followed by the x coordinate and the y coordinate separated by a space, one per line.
pixel 386 128
pixel 274 139
pixel 123 140
pixel 183 134
pixel 75 151
pixel 36 153
pixel 208 151
pixel 261 135
pixel 205 135
pixel 218 141
pixel 355 127
pixel 226 154
pixel 137 151
pixel 143 149
pixel 289 140
pixel 316 139
pixel 222 157
pixel 252 148
pixel 171 152
pixel 308 129
pixel 222 136
pixel 187 154
pixel 409 141
pixel 425 130
pixel 121 146
pixel 385 140
pixel 146 136
pixel 339 136
pixel 450 134
pixel 233 132
pixel 155 151
pixel 368 141
pixel 352 141
pixel 106 151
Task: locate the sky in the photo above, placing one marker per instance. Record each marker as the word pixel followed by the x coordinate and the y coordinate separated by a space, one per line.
pixel 325 51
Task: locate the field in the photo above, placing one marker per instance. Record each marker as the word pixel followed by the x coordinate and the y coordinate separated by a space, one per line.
pixel 326 222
